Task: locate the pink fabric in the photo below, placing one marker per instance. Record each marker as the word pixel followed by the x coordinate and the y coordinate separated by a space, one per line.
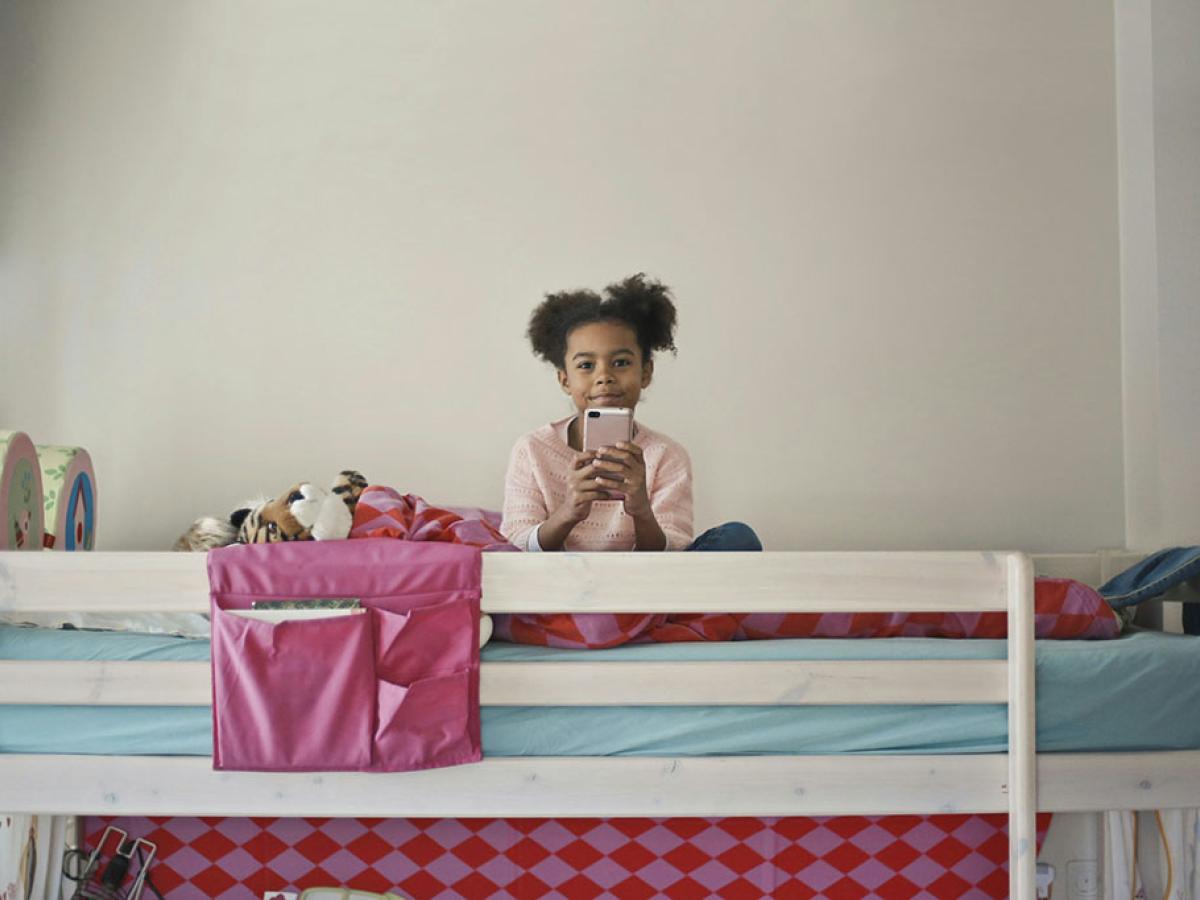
pixel 536 485
pixel 1064 610
pixel 383 512
pixel 491 516
pixel 392 689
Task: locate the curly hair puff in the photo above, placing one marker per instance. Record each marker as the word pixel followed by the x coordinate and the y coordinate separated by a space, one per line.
pixel 644 305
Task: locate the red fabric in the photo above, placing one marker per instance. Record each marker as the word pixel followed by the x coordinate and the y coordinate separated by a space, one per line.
pixel 889 857
pixel 1064 610
pixel 385 512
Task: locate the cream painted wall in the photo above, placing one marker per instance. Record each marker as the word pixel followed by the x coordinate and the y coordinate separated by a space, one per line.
pixel 1158 94
pixel 247 243
pixel 1176 26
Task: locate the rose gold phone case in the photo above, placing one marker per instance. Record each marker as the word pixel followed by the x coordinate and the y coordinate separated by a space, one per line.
pixel 605 427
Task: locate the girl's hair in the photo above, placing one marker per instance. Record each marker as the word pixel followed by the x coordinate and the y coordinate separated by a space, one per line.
pixel 645 306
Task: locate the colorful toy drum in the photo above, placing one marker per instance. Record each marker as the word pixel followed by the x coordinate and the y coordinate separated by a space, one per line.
pixel 69 485
pixel 21 520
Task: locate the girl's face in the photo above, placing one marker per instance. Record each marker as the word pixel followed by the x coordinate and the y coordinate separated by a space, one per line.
pixel 604 366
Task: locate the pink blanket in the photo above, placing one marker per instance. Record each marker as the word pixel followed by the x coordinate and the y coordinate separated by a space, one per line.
pixel 385 512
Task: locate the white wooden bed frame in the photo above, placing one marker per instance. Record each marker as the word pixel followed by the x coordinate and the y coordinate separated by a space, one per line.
pixel 1018 782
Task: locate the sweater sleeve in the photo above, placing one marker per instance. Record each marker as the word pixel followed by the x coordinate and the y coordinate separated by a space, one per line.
pixel 524 505
pixel 671 498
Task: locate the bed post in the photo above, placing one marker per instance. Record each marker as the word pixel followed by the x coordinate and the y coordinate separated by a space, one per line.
pixel 1022 724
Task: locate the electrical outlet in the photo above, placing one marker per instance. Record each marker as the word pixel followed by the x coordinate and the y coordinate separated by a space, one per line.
pixel 1083 879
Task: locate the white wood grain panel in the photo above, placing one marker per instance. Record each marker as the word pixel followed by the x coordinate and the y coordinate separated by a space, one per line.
pixel 547 786
pixel 1086 782
pixel 1067 782
pixel 103 582
pixel 105 683
pixel 559 684
pixel 562 582
pixel 744 683
pixel 753 582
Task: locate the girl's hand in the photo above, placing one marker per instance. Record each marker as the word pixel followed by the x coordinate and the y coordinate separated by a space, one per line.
pixel 584 487
pixel 625 465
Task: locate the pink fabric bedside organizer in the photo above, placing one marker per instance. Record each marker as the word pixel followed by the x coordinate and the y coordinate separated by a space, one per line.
pixel 392 689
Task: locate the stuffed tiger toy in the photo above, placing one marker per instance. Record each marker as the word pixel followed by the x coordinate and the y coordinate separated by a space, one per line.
pixel 304 512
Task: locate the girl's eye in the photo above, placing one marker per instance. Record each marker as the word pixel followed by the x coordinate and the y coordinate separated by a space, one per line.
pixel 621 363
pixel 585 365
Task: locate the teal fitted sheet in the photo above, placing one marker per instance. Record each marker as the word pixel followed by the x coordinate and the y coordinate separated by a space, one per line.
pixel 1139 692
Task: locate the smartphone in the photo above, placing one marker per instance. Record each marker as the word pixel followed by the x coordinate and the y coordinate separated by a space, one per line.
pixel 606 426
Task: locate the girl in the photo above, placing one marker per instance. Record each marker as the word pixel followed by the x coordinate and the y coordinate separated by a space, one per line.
pixel 636 495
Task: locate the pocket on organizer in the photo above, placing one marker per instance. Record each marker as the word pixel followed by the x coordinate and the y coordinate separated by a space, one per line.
pixel 293 694
pixel 425 724
pixel 426 640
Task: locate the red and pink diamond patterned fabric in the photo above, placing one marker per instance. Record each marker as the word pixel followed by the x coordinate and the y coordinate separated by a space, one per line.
pixel 836 857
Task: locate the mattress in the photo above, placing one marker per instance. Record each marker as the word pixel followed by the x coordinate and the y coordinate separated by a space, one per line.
pixel 1138 692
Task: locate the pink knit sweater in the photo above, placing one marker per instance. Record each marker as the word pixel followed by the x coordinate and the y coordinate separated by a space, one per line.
pixel 536 485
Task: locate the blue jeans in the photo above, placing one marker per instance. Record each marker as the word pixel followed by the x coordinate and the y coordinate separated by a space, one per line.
pixel 730 536
pixel 1153 577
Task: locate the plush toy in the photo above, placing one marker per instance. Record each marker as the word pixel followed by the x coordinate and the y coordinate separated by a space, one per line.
pixel 304 512
pixel 206 533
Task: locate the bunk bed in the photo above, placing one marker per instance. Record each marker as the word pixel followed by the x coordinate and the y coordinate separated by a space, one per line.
pixel 526 688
